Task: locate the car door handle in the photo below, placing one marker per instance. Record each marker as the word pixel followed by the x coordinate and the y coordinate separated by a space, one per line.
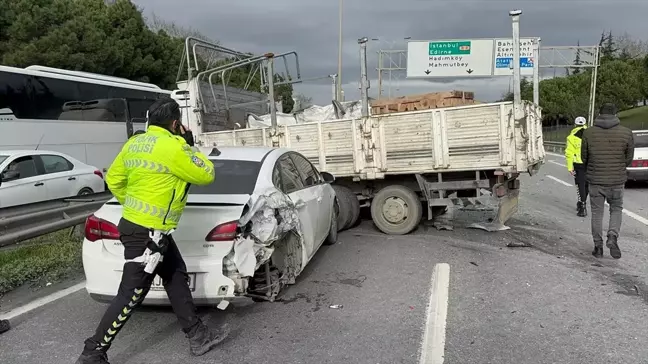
pixel 72 179
pixel 300 204
pixel 39 184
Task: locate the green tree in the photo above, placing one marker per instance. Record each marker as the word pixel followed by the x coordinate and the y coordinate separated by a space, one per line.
pixel 619 82
pixel 89 36
pixel 94 36
pixel 608 47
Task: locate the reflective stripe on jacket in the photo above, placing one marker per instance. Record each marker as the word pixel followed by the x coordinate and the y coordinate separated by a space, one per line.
pixel 150 177
pixel 573 147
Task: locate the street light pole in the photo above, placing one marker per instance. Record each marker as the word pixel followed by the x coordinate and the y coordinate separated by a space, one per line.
pixel 339 74
pixel 517 92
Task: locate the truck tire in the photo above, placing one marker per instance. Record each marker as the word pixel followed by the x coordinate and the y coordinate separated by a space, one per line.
pixel 349 201
pixel 396 210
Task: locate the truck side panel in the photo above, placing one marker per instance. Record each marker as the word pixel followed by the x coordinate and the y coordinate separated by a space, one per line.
pixel 474 137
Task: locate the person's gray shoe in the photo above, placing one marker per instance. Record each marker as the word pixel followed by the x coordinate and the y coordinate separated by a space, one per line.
pixel 613 245
pixel 202 339
pixel 99 357
pixel 4 326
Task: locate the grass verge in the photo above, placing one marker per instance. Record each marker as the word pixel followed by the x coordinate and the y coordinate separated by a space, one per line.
pixel 635 119
pixel 48 258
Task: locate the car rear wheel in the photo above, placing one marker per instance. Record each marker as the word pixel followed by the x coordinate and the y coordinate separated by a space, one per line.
pixel 85 191
pixel 332 237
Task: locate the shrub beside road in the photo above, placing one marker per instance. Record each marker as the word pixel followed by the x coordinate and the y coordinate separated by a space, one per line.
pixel 46 259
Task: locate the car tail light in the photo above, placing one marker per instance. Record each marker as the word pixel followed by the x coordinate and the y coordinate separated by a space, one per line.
pixel 223 232
pixel 98 173
pixel 97 229
pixel 639 163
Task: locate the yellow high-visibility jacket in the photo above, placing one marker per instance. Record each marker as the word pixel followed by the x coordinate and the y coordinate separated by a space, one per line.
pixel 151 175
pixel 573 147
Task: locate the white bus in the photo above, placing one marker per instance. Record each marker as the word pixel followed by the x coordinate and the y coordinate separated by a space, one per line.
pixel 85 115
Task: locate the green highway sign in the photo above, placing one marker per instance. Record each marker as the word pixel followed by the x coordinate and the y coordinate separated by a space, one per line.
pixel 449 48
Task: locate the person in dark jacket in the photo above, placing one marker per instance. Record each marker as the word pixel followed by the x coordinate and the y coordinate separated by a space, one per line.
pixel 607 149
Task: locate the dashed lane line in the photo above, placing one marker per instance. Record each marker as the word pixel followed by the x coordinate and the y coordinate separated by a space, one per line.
pixel 433 343
pixel 560 181
pixel 628 213
pixel 556 163
pixel 41 302
pixel 555 154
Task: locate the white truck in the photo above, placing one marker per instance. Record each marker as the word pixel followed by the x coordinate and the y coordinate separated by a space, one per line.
pixel 404 164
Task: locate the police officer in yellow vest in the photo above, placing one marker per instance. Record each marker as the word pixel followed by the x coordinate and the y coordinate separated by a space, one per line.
pixel 150 178
pixel 575 165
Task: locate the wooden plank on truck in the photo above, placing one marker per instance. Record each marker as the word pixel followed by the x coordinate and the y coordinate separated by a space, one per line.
pixel 427 101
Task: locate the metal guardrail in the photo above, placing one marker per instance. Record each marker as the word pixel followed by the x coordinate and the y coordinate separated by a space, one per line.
pixel 555 147
pixel 26 222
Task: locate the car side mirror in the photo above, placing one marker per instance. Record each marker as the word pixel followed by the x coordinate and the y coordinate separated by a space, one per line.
pixel 327 177
pixel 9 175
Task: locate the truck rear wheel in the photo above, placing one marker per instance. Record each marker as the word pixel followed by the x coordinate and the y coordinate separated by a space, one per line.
pixel 396 210
pixel 349 207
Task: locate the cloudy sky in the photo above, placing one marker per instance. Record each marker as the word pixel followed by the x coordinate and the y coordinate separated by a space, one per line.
pixel 310 27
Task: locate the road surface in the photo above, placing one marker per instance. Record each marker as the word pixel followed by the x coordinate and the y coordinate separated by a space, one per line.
pixel 549 303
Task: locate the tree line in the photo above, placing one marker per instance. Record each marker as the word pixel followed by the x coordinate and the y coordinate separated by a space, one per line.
pixel 111 38
pixel 622 80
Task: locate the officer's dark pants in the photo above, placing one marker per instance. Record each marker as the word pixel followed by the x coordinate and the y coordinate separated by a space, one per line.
pixel 135 284
pixel 581 182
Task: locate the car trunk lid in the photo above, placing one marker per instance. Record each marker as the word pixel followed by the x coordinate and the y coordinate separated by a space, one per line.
pixel 202 214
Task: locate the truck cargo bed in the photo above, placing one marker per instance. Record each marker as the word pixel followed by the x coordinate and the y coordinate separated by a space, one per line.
pixel 465 138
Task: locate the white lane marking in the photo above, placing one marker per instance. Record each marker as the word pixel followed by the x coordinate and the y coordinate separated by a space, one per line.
pixel 560 181
pixel 41 302
pixel 556 163
pixel 631 214
pixel 433 343
pixel 555 154
pixel 628 213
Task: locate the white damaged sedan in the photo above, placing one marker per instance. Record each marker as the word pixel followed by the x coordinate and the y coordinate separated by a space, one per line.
pixel 249 233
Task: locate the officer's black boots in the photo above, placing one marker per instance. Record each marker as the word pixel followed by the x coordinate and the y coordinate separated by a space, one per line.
pixel 582 209
pixel 598 252
pixel 98 357
pixel 202 339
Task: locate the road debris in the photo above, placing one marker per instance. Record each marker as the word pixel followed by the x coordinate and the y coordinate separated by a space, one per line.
pixel 336 307
pixel 222 305
pixel 475 264
pixel 489 226
pixel 4 326
pixel 519 244
pixel 637 290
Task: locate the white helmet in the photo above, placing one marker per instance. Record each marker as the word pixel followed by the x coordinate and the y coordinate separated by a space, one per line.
pixel 580 121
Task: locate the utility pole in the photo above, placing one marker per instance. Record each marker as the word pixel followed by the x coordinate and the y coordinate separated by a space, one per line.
pixel 339 74
pixel 517 92
pixel 364 79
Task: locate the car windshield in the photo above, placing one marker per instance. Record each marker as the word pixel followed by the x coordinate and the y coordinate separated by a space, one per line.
pixel 641 140
pixel 3 157
pixel 233 177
